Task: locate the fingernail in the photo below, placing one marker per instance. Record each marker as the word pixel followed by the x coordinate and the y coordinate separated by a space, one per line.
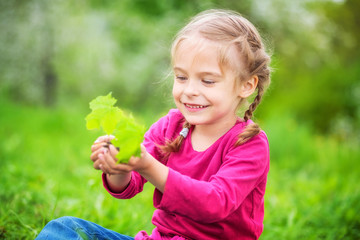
pixel 105 151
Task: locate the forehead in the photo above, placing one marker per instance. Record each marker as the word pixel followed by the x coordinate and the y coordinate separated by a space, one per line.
pixel 197 51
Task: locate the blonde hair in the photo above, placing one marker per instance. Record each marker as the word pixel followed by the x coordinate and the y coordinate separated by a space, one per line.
pixel 232 31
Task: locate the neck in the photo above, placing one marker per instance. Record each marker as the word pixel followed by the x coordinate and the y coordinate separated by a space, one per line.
pixel 214 130
pixel 203 136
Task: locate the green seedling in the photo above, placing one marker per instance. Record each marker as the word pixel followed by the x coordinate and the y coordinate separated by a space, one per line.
pixel 113 121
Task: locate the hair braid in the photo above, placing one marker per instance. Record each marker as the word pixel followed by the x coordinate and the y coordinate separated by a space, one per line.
pixel 174 145
pixel 251 129
pixel 248 114
pixel 259 66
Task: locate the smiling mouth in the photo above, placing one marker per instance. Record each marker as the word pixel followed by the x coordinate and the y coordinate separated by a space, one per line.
pixel 193 106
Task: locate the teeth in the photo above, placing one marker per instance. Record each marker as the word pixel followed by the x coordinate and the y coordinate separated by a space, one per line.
pixel 197 106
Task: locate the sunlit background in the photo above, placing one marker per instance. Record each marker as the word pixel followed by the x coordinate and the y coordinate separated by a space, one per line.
pixel 56 56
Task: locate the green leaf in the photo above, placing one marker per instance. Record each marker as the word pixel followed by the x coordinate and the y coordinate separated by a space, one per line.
pixel 92 122
pixel 128 138
pixel 112 120
pixel 102 102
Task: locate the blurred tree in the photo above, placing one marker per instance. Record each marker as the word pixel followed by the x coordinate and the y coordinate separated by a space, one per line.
pixel 345 45
pixel 49 75
pixel 26 49
pixel 54 51
pixel 316 62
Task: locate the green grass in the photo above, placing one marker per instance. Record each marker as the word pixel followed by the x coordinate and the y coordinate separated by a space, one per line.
pixel 46 173
pixel 313 190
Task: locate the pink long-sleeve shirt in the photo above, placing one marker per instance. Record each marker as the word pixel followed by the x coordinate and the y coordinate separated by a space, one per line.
pixel 214 194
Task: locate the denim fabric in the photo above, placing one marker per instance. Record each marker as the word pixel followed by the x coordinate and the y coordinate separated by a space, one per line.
pixel 75 228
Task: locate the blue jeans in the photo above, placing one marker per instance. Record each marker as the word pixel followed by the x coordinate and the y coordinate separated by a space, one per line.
pixel 76 228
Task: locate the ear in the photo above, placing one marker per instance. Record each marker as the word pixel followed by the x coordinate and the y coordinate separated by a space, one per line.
pixel 248 87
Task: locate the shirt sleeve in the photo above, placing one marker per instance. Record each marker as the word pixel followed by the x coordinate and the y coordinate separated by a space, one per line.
pixel 135 186
pixel 210 201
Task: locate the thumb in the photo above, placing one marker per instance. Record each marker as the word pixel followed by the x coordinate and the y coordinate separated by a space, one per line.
pixel 142 148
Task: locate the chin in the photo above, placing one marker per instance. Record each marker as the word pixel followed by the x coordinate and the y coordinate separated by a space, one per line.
pixel 194 120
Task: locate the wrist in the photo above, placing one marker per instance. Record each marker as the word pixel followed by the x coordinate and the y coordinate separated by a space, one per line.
pixel 156 173
pixel 118 182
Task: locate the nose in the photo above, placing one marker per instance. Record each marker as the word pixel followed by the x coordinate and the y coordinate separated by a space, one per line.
pixel 191 88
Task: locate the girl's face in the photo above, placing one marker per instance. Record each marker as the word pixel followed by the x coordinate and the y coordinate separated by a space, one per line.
pixel 205 93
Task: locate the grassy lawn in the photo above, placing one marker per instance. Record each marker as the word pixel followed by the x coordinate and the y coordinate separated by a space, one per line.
pixel 312 193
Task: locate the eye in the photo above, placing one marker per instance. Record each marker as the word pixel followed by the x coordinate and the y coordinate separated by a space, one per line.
pixel 208 81
pixel 180 78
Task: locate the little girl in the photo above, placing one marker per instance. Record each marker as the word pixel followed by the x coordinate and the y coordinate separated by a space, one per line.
pixel 209 166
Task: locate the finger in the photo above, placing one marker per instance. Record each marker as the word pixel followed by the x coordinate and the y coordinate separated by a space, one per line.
pixel 113 150
pixel 105 138
pixel 122 168
pixel 96 146
pixel 143 150
pixel 95 155
pixel 103 165
pixel 111 167
pixel 96 165
pixel 133 161
pixel 112 164
pixel 108 163
pixel 100 139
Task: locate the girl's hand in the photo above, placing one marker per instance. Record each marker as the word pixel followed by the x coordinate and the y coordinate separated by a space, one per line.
pixel 98 147
pixel 108 163
pixel 103 155
pixel 143 162
pixel 118 175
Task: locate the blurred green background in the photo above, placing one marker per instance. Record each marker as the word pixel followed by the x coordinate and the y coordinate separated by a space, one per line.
pixel 56 56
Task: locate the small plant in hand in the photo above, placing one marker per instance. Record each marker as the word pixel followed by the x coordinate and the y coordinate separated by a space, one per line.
pixel 128 134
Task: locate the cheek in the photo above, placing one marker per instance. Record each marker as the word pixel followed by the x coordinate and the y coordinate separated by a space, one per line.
pixel 175 91
pixel 227 97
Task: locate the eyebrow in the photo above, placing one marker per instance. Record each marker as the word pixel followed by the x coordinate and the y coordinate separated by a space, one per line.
pixel 215 74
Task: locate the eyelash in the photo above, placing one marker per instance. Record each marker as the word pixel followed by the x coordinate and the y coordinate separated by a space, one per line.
pixel 205 81
pixel 181 78
pixel 208 82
